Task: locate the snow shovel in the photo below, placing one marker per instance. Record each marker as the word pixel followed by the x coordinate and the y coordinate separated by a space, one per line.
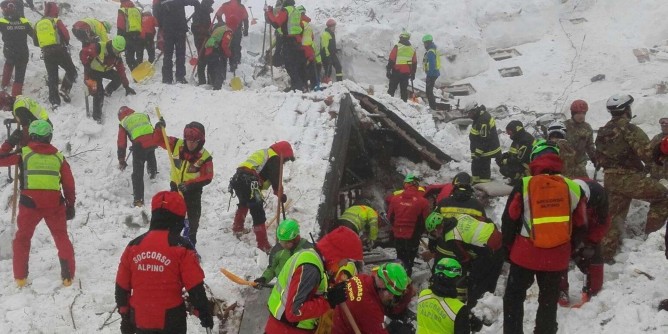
pixel 236 83
pixel 145 70
pixel 236 279
pixel 414 98
pixel 253 19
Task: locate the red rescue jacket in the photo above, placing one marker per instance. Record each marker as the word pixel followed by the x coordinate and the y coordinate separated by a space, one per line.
pixel 407 211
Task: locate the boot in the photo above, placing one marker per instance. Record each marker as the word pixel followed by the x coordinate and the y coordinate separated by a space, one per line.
pixel 239 218
pixel 564 299
pixel 261 238
pixel 595 278
pixel 21 282
pixel 17 89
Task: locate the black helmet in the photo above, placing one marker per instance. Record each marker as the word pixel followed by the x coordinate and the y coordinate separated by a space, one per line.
pixel 461 178
pixel 515 126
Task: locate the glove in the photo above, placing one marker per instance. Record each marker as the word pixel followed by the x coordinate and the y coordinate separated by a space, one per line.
pixel 337 294
pixel 92 86
pixel 182 187
pixel 69 213
pixel 15 138
pixel 129 91
pixel 9 121
pixel 127 326
pixel 284 198
pixel 205 319
pixel 122 164
pixel 161 123
pixel 261 282
pixel 476 324
pixel 389 74
pixel 657 155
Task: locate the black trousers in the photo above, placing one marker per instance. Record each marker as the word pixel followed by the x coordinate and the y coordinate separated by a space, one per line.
pixel 241 183
pixel 333 61
pixel 407 250
pixel 202 65
pixel 193 201
pixel 56 56
pixel 400 80
pixel 134 49
pixel 140 157
pixel 480 169
pixel 217 69
pixel 236 49
pixel 98 97
pixel 294 63
pixel 483 275
pixel 175 44
pixel 148 44
pixel 519 280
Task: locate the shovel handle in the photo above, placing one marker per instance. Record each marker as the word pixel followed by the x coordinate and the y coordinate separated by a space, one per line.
pixel 350 318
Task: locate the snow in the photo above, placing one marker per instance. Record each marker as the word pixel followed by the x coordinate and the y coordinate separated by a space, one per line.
pixel 558 58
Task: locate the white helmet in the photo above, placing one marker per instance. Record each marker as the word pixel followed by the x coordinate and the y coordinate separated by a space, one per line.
pixel 556 128
pixel 618 103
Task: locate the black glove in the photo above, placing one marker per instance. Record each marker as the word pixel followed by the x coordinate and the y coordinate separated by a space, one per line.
pixel 122 164
pixel 205 319
pixel 182 187
pixel 161 123
pixel 476 324
pixel 261 282
pixel 389 74
pixel 657 155
pixel 129 91
pixel 284 198
pixel 337 294
pixel 15 138
pixel 9 121
pixel 69 213
pixel 127 325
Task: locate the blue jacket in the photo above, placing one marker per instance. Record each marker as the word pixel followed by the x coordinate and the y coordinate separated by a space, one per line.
pixel 430 59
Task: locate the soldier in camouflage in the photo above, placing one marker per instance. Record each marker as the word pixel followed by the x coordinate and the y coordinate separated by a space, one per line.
pixel 581 137
pixel 621 149
pixel 660 171
pixel 514 164
pixel 557 133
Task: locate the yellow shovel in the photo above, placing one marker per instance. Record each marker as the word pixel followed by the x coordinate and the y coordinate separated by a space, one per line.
pixel 236 83
pixel 145 70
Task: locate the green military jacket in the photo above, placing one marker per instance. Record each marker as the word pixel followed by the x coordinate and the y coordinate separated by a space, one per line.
pixel 279 256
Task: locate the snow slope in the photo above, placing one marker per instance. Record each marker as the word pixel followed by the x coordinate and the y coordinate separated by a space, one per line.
pixel 557 58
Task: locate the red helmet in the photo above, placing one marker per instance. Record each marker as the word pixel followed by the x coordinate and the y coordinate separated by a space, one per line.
pixel 283 149
pixel 579 106
pixel 6 101
pixel 51 9
pixel 194 131
pixel 124 112
pixel 331 23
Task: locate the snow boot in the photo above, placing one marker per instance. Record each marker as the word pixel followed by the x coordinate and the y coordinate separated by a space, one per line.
pixel 239 218
pixel 261 238
pixel 17 89
pixel 564 299
pixel 138 203
pixel 21 282
pixel 595 278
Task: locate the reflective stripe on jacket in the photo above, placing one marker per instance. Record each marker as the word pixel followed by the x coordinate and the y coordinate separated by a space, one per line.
pixel 471 231
pixel 132 19
pixel 294 21
pixel 41 171
pixel 279 296
pixel 137 124
pixel 185 170
pixel 47 32
pixel 35 108
pixel 362 216
pixel 405 54
pixel 436 314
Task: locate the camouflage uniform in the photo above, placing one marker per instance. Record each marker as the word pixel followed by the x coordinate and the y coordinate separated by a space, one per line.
pixel 621 148
pixel 514 164
pixel 656 171
pixel 569 158
pixel 581 137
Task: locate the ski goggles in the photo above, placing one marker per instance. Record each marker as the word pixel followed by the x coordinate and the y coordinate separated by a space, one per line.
pixel 192 134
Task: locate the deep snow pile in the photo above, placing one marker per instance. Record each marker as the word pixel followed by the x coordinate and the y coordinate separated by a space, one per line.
pixel 557 58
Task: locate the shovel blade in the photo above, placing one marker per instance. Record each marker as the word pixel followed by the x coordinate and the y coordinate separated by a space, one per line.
pixel 143 71
pixel 236 84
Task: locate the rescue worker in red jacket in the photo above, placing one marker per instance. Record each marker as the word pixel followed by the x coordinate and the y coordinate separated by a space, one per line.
pixel 407 212
pixel 370 297
pixel 194 170
pixel 289 22
pixel 153 271
pixel 257 173
pixel 239 25
pixel 52 37
pixel 149 24
pixel 218 53
pixel 44 172
pixel 138 128
pixel 90 30
pixel 401 66
pixel 15 30
pixel 539 239
pixel 301 294
pixel 129 24
pixel 25 111
pixel 98 61
pixel 588 255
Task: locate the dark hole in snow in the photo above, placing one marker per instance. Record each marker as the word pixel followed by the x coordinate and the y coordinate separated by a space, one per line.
pixel 460 90
pixel 511 72
pixel 503 54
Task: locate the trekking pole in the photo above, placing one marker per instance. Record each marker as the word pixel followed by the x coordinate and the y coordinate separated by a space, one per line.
pixel 9 168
